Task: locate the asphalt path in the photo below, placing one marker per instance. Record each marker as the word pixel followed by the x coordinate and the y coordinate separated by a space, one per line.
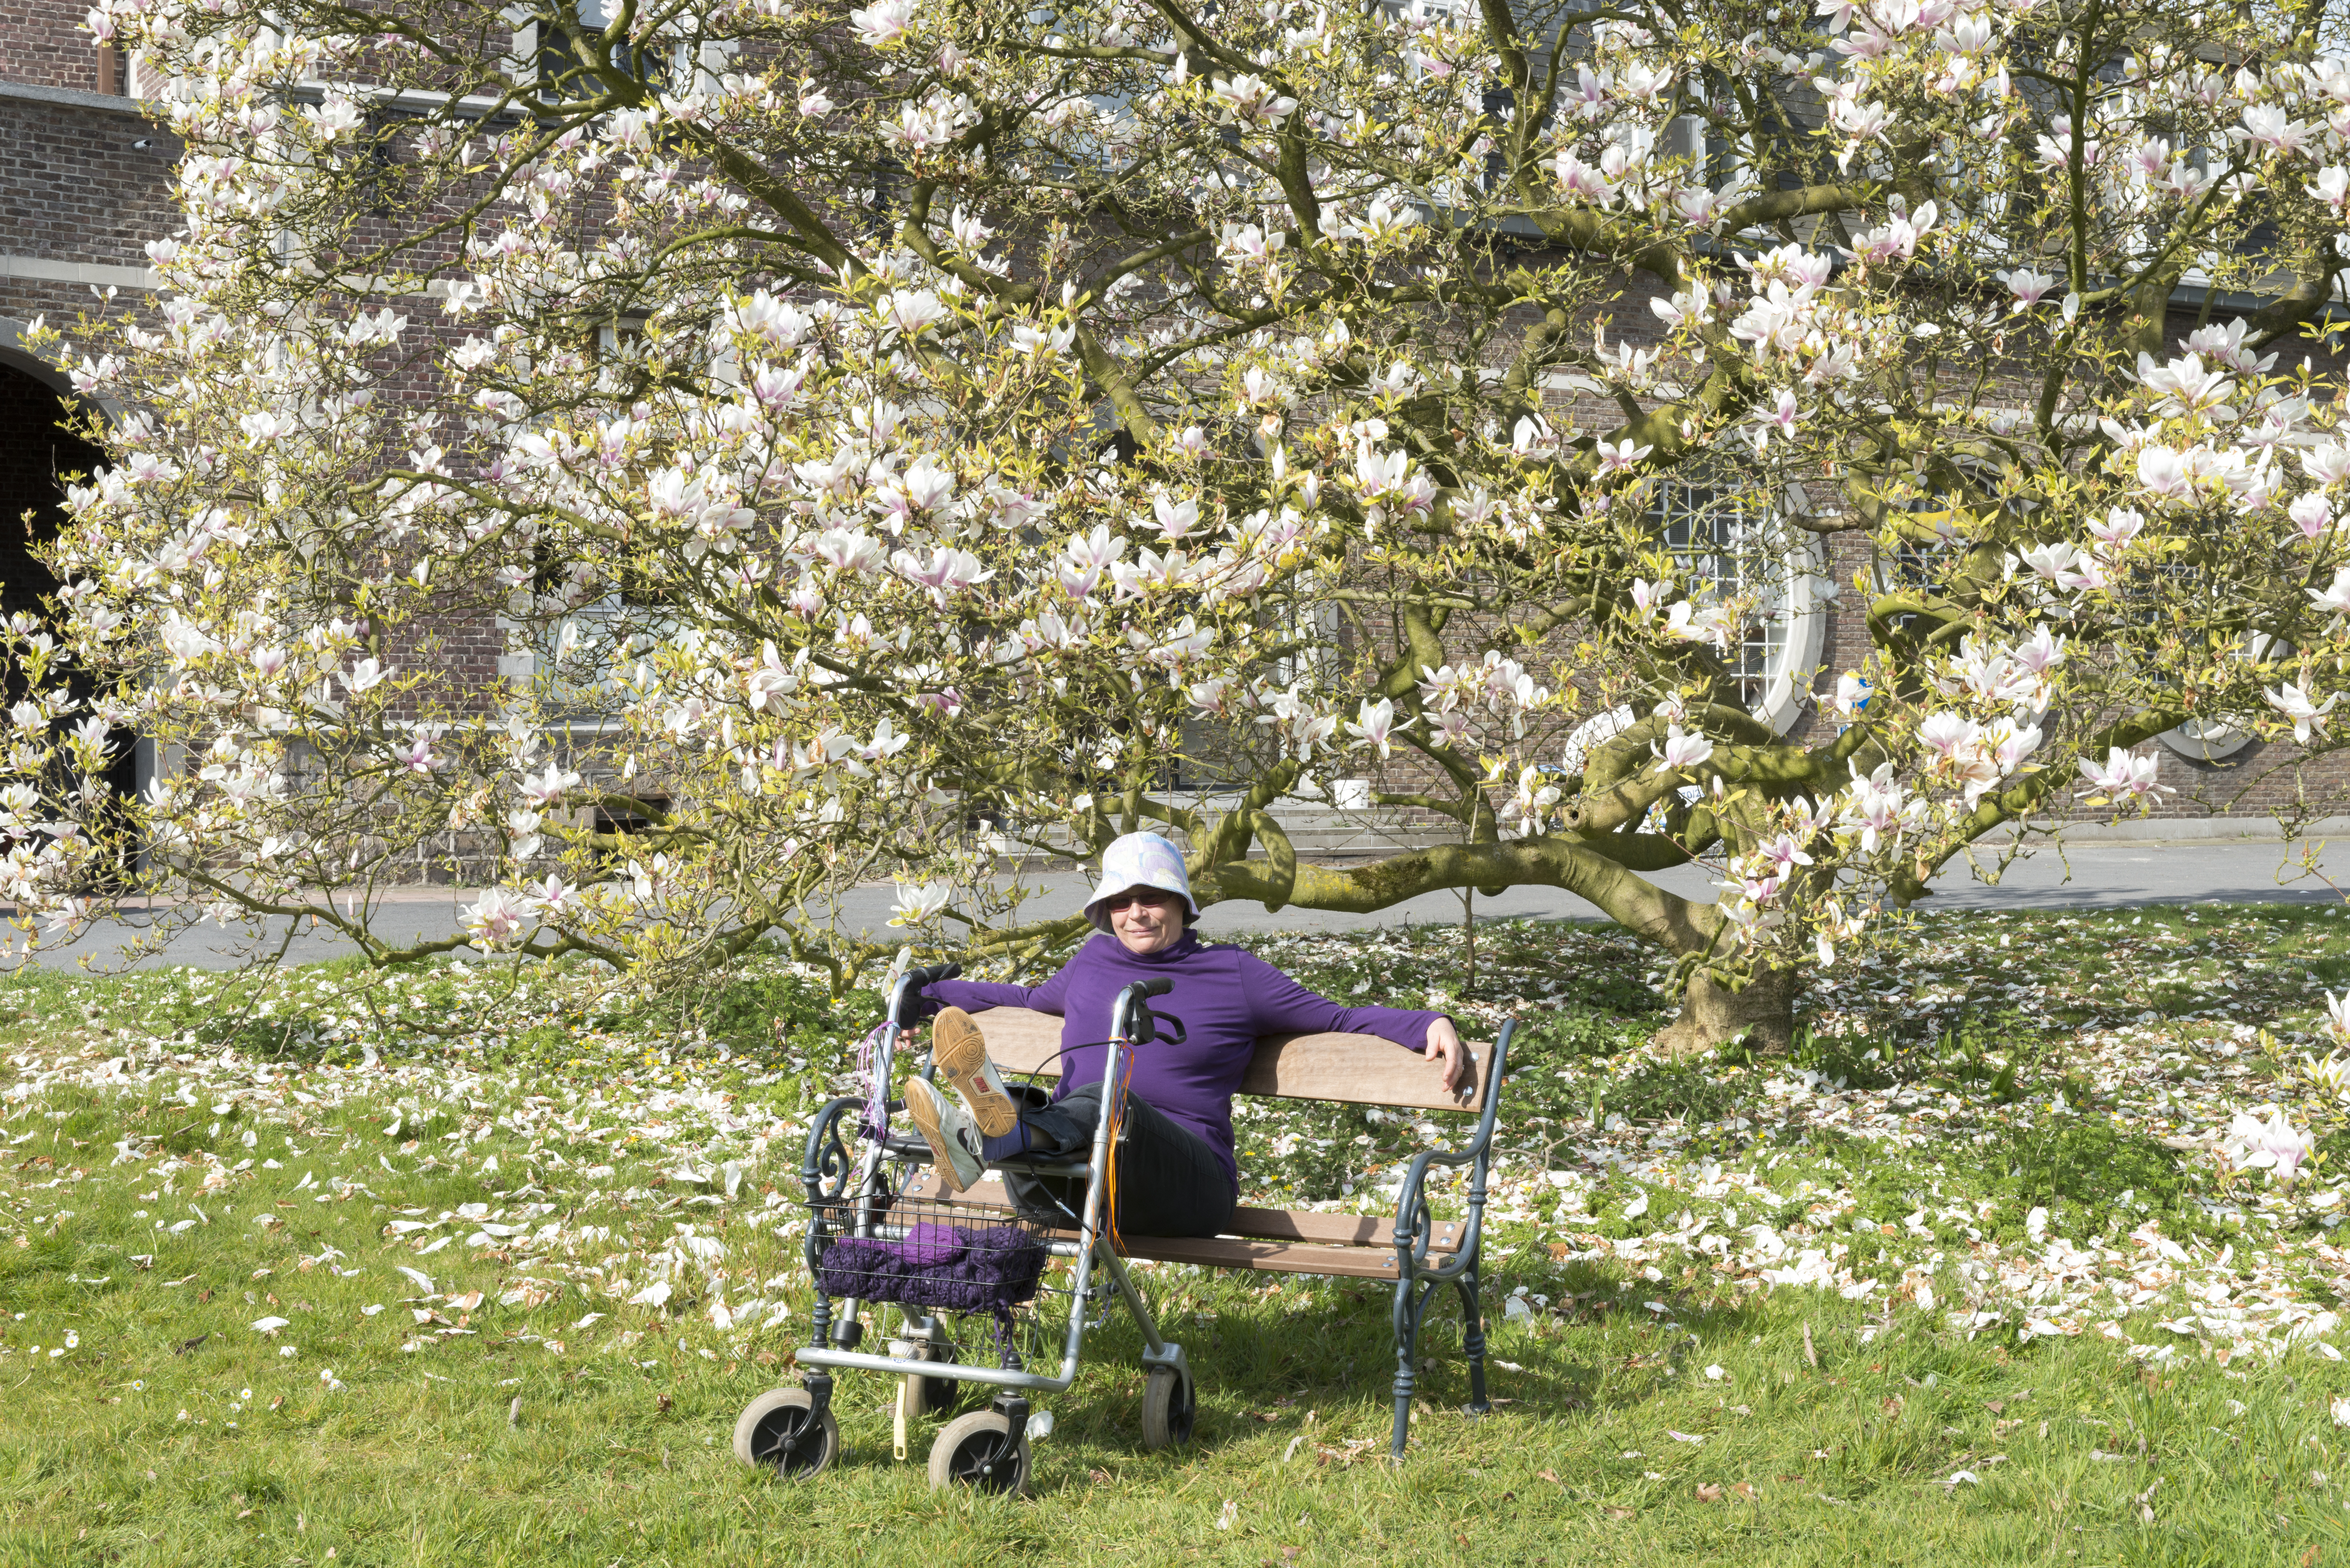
pixel 2100 874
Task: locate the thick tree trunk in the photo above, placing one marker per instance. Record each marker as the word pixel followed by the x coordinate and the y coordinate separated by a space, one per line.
pixel 1713 1014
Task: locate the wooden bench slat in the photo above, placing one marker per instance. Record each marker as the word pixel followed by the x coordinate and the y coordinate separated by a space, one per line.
pixel 1273 1257
pixel 1342 1229
pixel 1251 1225
pixel 1357 1069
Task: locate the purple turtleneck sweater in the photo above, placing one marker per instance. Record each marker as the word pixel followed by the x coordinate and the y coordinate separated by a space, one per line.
pixel 1226 998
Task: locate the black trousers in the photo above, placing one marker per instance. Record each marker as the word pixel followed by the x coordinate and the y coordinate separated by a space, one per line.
pixel 1169 1182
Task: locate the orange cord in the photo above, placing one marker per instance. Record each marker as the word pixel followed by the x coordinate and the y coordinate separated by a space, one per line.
pixel 1116 1111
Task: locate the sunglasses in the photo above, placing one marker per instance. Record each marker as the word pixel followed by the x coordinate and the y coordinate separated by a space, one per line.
pixel 1117 901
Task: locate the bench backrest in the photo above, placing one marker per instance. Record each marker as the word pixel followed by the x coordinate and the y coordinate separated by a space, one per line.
pixel 1360 1069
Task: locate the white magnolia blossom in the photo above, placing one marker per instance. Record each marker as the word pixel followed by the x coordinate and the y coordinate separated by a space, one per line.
pixel 857 505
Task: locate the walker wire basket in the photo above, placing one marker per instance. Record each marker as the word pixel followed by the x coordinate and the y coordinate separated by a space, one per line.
pixel 926 1253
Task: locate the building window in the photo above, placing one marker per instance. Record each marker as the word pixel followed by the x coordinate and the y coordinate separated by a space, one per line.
pixel 1732 542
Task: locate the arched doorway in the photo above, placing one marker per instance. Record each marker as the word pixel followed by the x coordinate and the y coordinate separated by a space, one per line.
pixel 37 453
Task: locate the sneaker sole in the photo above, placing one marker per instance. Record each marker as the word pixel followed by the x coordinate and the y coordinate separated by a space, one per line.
pixel 922 1109
pixel 959 1052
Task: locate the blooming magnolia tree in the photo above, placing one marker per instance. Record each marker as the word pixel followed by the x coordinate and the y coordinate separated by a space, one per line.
pixel 891 438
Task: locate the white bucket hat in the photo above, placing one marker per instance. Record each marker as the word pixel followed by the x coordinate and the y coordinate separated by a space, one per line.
pixel 1139 860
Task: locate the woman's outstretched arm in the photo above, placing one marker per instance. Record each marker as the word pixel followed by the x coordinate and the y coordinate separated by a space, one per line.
pixel 1279 1005
pixel 979 995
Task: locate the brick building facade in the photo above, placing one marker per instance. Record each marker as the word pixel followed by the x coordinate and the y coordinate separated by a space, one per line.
pixel 85 182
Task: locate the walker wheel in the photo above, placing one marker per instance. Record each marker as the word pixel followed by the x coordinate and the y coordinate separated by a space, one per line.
pixel 780 1431
pixel 976 1451
pixel 1168 1409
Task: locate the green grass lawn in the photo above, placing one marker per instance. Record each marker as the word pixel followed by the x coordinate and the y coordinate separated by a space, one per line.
pixel 185 1158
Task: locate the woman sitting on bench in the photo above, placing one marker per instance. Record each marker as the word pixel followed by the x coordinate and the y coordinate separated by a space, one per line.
pixel 1176 1173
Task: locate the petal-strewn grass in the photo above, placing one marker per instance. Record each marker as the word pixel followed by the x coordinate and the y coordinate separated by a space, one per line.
pixel 476 1264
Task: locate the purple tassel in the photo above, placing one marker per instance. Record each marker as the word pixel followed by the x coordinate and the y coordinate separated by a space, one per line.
pixel 876 1125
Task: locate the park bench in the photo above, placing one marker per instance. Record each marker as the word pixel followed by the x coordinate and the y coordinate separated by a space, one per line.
pixel 1417 1252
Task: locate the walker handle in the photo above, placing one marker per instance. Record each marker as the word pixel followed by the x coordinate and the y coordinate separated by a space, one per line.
pixel 911 985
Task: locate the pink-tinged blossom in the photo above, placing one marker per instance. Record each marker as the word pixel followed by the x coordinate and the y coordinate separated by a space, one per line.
pixel 884 23
pixel 912 312
pixel 1783 852
pixel 1251 99
pixel 1621 456
pixel 1683 750
pixel 419 755
pixel 2185 380
pixel 1948 734
pixel 1876 807
pixel 2123 775
pixel 942 571
pixel 2274 1145
pixel 1175 518
pixel 2268 129
pixel 769 679
pixel 1582 179
pixel 1894 240
pixel 2308 717
pixel 547 788
pixel 848 550
pixel 1374 725
pixel 495 918
pixel 2009 742
pixel 1689 623
pixel 1782 418
pixel 2041 652
pixel 2117 529
pixel 2053 562
pixel 777 386
pixel 2164 472
pixel 1532 438
pixel 2311 514
pixel 1698 207
pixel 2335 596
pixel 2029 287
pixel 2328 465
pixel 185 642
pixel 1687 306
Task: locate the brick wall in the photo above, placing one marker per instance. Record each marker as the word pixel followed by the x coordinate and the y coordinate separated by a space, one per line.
pixel 47 45
pixel 73 187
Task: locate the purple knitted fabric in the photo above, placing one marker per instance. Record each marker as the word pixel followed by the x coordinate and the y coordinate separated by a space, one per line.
pixel 942 1266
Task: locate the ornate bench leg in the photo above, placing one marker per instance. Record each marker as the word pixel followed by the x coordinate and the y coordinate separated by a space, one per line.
pixel 1411 1308
pixel 1472 1342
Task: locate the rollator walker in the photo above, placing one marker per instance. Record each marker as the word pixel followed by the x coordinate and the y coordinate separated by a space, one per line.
pixel 872 1242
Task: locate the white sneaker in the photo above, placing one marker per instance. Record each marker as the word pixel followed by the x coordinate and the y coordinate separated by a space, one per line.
pixel 954 1142
pixel 959 1052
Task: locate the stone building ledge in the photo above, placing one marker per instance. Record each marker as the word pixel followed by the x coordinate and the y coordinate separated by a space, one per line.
pixel 75 98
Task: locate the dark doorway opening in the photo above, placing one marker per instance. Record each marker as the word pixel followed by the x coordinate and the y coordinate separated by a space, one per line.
pixel 39 453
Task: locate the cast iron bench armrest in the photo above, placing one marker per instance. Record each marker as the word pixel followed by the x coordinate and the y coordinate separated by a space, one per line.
pixel 1413 1222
